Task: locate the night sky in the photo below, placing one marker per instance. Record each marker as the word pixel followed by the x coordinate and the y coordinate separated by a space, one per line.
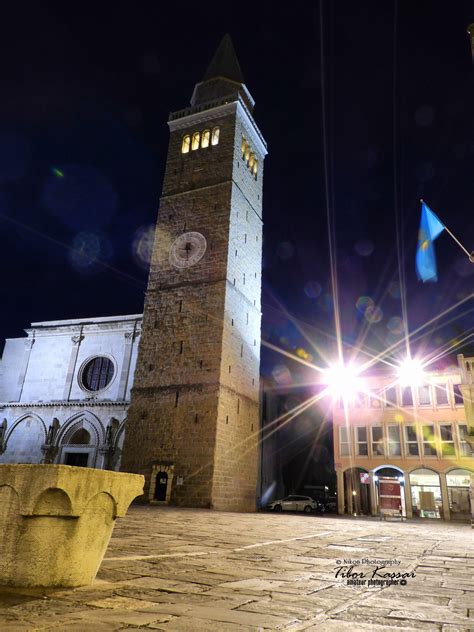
pixel 86 93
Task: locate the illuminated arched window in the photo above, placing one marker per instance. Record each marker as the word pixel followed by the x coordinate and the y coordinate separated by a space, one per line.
pixel 196 139
pixel 185 145
pixel 215 136
pixel 251 161
pixel 244 146
pixel 247 153
pixel 255 168
pixel 206 135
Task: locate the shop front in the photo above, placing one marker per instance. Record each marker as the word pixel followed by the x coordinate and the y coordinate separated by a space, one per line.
pixel 426 497
pixel 390 491
pixel 458 482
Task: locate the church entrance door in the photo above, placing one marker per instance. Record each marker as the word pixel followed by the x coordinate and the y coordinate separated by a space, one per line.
pixel 77 458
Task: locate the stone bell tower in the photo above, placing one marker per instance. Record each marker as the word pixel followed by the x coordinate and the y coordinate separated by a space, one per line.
pixel 193 423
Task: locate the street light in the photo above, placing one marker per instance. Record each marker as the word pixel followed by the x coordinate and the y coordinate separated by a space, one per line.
pixel 342 380
pixel 411 372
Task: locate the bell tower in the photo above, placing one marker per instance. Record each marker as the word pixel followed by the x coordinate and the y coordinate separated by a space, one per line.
pixel 193 422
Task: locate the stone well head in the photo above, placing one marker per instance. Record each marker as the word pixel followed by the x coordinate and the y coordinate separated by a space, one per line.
pixel 56 521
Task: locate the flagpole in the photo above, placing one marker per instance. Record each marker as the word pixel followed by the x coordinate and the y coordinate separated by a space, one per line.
pixel 469 254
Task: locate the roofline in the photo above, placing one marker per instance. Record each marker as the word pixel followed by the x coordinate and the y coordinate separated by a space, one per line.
pixel 86 321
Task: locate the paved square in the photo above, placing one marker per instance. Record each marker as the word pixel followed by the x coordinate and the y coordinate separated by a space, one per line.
pixel 185 569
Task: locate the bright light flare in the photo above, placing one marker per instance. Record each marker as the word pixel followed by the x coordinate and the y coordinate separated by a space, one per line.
pixel 343 380
pixel 411 372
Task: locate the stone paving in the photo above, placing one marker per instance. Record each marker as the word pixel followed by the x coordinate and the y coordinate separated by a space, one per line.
pixel 197 570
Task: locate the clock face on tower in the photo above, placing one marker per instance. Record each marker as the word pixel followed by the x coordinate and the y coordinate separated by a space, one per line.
pixel 187 250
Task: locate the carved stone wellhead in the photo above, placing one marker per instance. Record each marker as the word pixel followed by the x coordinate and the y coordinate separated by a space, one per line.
pixel 56 521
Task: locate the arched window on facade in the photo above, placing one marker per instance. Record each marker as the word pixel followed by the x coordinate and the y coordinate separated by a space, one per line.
pixel 247 153
pixel 244 147
pixel 255 168
pixel 251 161
pixel 186 144
pixel 196 140
pixel 426 498
pixel 215 135
pixel 206 135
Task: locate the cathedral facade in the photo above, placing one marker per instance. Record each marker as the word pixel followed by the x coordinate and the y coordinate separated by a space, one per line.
pixel 192 416
pixel 65 390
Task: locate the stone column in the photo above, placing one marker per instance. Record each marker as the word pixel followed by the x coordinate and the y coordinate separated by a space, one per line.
pixel 29 342
pixel 444 496
pixel 127 356
pixel 348 490
pixel 471 494
pixel 408 503
pixel 76 343
pixel 340 491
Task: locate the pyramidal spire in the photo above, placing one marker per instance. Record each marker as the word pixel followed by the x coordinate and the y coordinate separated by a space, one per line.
pixel 225 63
pixel 223 79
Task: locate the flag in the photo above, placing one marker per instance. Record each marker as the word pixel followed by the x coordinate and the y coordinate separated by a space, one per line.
pixel 430 227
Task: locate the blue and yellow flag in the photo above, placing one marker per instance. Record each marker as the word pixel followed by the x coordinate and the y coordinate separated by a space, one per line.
pixel 430 227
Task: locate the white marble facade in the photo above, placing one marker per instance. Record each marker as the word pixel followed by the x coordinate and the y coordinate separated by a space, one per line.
pixel 65 389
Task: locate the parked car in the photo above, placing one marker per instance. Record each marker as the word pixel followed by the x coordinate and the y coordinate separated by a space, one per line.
pixel 295 503
pixel 331 504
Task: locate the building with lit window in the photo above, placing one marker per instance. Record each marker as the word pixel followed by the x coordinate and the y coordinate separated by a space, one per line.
pixel 401 448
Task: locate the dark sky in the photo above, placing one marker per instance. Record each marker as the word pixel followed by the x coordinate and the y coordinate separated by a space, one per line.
pixel 86 91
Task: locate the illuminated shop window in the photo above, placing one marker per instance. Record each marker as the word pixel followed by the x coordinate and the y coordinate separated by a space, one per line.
pixel 186 144
pixel 206 136
pixel 215 135
pixel 426 498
